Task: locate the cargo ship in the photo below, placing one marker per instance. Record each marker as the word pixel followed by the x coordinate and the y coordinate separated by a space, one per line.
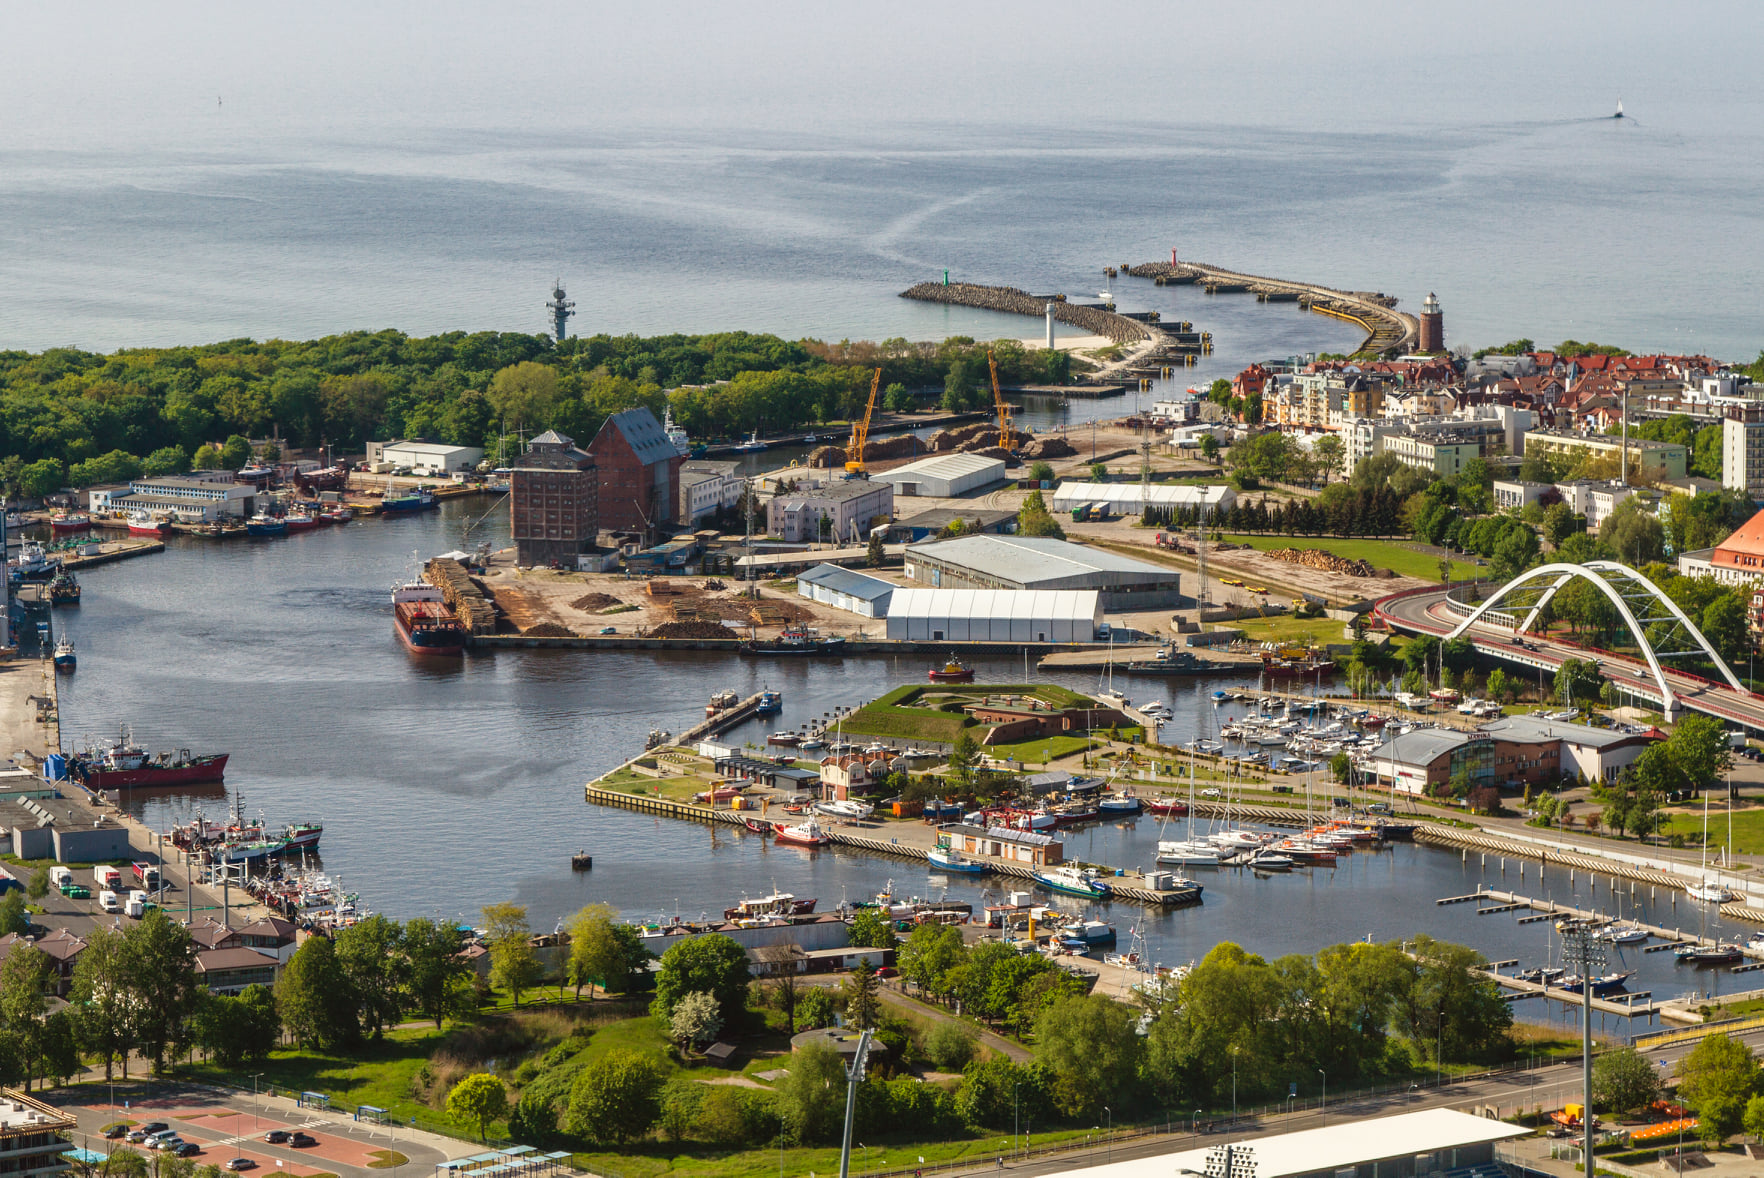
pixel 423 620
pixel 123 762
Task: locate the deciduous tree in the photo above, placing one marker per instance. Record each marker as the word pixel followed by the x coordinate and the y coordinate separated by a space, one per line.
pixel 712 964
pixel 477 1100
pixel 514 966
pixel 618 1097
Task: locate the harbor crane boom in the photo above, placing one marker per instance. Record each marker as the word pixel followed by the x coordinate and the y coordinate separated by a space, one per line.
pixel 860 434
pixel 1006 435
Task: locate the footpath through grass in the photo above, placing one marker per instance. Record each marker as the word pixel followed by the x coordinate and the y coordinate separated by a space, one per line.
pixel 1395 555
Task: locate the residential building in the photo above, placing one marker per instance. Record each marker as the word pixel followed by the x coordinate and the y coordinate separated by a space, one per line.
pixel 33 1136
pixel 1742 449
pixel 1594 499
pixel 843 511
pixel 1442 455
pixel 1251 382
pixel 431 457
pixel 707 488
pixel 554 492
pixel 63 949
pixel 639 468
pixel 1737 560
pixel 1647 460
pixel 228 971
pixel 1365 437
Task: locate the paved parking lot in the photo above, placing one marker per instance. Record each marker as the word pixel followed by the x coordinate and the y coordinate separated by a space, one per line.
pixel 225 1127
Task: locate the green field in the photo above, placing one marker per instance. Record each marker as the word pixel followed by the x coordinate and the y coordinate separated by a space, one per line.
pixel 1385 554
pixel 1037 752
pixel 893 715
pixel 1748 829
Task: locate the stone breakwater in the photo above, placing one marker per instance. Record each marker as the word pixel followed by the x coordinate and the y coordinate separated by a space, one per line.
pixel 1388 331
pixel 1093 320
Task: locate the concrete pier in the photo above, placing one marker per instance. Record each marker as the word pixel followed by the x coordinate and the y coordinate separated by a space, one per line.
pixel 1389 332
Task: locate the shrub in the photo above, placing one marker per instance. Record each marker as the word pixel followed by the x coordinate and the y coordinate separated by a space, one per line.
pixel 950 1046
pixel 722 1116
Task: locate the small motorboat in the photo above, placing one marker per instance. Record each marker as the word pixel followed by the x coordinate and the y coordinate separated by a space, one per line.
pixel 1716 954
pixel 1167 807
pixel 946 858
pixel 1220 697
pixel 846 810
pixel 770 702
pixel 759 826
pixel 1265 860
pixel 811 743
pixel 784 739
pixel 802 834
pixel 951 672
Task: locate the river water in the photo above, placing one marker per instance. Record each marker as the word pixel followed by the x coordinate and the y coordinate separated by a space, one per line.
pixel 445 786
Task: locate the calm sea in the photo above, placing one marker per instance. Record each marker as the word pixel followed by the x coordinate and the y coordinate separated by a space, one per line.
pixel 1639 231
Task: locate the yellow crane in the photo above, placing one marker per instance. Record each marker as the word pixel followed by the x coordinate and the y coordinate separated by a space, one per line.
pixel 860 434
pixel 1006 435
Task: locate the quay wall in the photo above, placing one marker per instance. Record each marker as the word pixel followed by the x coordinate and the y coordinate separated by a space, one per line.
pixel 853 646
pixel 1095 320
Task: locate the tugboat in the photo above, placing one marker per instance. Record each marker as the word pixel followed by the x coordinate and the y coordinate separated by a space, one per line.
pixel 951 672
pixel 63 589
pixel 64 656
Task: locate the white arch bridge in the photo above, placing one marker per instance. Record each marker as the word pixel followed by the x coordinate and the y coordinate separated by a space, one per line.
pixel 1499 627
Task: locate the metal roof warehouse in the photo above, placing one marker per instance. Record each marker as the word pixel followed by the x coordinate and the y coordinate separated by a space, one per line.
pixel 944 476
pixel 994 615
pixel 1038 562
pixel 844 589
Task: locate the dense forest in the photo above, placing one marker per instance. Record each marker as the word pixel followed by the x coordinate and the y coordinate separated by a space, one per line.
pixel 68 416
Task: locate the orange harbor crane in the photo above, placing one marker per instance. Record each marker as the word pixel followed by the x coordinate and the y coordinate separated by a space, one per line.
pixel 860 434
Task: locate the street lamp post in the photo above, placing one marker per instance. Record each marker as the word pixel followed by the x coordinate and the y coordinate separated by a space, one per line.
pixel 254 1079
pixel 1325 1109
pixel 1234 1050
pixel 1111 1138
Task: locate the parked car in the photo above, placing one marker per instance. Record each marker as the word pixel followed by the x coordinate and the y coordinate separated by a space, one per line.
pixel 237 1164
pixel 302 1141
pixel 137 1135
pixel 155 1127
pixel 276 1136
pixel 115 1131
pixel 186 1149
pixel 609 629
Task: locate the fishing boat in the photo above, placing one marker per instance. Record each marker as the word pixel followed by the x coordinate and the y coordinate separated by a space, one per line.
pixel 722 701
pixel 125 763
pixel 802 834
pixel 34 563
pixel 951 672
pixel 1086 934
pixel 1167 807
pixel 946 858
pixel 300 521
pixel 302 836
pixel 142 523
pixel 799 640
pixel 753 445
pixel 848 810
pixel 1117 804
pixel 338 515
pixel 64 589
pixel 1070 881
pixel 770 703
pixel 776 904
pixel 65 659
pixel 406 502
pixel 266 525
pixel 63 523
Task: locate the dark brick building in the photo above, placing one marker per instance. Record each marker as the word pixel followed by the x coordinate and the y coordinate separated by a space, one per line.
pixel 639 473
pixel 554 502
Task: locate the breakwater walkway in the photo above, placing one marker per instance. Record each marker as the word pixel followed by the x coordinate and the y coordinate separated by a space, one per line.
pixel 1388 331
pixel 1096 320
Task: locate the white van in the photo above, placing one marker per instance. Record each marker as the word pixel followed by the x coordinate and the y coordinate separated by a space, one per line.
pixel 60 877
pixel 135 907
pixel 107 900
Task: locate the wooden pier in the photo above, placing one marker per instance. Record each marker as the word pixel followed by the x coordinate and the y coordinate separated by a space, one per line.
pixel 116 550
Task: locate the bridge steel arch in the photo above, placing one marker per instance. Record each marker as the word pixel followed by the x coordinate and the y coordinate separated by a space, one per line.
pixel 1591 571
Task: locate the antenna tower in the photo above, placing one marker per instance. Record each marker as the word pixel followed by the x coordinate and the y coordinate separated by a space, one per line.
pixel 561 309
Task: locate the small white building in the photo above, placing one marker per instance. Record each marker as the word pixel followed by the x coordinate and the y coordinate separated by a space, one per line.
pixel 849 510
pixel 994 615
pixel 707 488
pixel 431 457
pixel 186 497
pixel 845 589
pixel 944 476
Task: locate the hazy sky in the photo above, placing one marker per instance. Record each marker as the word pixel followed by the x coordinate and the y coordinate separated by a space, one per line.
pixel 84 75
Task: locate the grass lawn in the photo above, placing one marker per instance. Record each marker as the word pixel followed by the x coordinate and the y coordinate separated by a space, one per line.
pixel 1386 554
pixel 651 1159
pixel 379 1074
pixel 1037 751
pixel 1285 628
pixel 1748 829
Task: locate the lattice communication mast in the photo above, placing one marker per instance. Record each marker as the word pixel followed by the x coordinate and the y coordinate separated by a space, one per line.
pixel 561 310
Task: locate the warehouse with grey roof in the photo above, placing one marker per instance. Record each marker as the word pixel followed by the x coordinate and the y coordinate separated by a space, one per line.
pixel 1041 563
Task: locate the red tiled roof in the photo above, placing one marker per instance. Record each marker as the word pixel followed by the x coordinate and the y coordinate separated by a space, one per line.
pixel 1747 542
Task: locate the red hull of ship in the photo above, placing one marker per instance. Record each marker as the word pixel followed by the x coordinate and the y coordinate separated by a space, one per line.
pixel 201 769
pixel 159 529
pixel 444 642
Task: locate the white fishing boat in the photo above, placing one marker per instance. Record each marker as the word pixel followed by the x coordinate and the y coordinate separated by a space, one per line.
pixel 946 858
